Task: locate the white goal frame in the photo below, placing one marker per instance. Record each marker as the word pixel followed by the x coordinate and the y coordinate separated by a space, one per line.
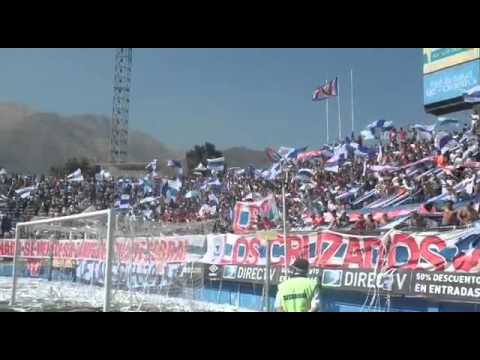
pixel 109 251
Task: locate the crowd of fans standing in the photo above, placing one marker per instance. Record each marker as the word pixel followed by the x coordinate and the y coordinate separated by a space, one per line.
pixel 203 197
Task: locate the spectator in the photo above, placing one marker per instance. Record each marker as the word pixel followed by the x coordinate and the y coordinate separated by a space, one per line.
pixel 449 215
pixel 370 223
pixel 467 215
pixel 6 225
pixel 360 224
pixel 418 221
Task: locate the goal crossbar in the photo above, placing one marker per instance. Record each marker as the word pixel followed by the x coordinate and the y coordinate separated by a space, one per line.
pixel 109 251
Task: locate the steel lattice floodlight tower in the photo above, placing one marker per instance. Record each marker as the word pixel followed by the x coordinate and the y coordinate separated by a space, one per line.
pixel 121 102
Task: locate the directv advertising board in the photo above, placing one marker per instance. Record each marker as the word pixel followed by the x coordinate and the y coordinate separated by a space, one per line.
pixel 450 83
pixel 435 59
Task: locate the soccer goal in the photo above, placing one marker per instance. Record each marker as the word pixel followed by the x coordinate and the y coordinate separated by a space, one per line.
pixel 47 257
pixel 104 260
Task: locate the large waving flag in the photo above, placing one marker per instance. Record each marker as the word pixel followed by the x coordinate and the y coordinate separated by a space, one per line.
pixel 217 164
pixel 305 156
pixel 323 92
pixel 472 95
pixel 272 155
pixel 75 174
pixel 245 214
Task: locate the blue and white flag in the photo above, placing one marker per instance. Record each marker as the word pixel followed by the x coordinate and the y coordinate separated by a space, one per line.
pixel 175 184
pixel 360 150
pixel 169 190
pixel 381 125
pixel 174 163
pixel 367 135
pixel 290 153
pixel 148 199
pixel 305 175
pixel 214 185
pixel 124 201
pixel 472 95
pixel 217 164
pixel 442 139
pixel 447 121
pixel 192 194
pixel 78 178
pixel 332 168
pixel 24 190
pixel 212 197
pixel 348 194
pixel 75 174
pixel 152 165
pixel 177 165
pixel 424 132
pixel 273 172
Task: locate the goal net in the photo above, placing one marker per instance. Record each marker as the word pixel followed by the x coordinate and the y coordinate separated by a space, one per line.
pixel 102 260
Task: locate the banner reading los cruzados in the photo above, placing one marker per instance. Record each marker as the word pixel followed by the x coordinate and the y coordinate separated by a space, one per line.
pixel 443 265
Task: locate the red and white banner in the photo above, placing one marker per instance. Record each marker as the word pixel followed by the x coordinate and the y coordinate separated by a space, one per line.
pixel 432 251
pixel 452 251
pixel 141 251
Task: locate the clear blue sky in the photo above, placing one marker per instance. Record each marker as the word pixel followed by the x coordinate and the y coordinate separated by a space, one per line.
pixel 251 97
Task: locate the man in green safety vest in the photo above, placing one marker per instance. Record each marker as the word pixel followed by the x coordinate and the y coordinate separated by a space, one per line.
pixel 298 293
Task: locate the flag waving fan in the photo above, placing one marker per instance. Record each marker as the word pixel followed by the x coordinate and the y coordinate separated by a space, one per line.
pixel 330 89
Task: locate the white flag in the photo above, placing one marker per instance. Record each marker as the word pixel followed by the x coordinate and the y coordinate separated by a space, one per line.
pixel 76 173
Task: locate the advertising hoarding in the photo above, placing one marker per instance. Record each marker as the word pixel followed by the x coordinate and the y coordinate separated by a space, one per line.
pixel 435 59
pixel 450 83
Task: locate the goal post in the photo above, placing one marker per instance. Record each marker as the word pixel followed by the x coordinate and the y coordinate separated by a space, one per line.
pixel 108 215
pixel 110 260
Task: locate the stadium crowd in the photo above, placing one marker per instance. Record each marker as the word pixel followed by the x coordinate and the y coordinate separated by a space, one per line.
pixel 323 188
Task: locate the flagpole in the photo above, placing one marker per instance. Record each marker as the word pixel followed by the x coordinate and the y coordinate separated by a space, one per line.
pixel 338 109
pixel 326 110
pixel 351 87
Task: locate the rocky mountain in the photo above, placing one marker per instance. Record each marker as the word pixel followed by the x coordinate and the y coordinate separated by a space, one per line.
pixel 33 142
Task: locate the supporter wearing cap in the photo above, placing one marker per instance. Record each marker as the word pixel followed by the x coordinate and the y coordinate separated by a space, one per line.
pixel 298 293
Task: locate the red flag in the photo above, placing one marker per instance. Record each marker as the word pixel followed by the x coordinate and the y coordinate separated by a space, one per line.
pixel 324 92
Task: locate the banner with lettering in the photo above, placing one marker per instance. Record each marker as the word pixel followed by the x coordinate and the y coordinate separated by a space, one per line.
pixel 428 264
pixel 246 214
pixel 457 250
